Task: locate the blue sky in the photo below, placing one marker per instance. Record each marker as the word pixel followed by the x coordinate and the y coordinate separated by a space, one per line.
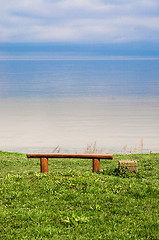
pixel 79 21
pixel 99 27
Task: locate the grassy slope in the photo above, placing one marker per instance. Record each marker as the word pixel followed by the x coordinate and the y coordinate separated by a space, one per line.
pixel 73 203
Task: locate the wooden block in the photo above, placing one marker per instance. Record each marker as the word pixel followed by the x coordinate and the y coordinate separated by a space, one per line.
pixel 131 166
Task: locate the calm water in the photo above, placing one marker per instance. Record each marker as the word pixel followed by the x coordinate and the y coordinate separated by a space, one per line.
pixel 74 103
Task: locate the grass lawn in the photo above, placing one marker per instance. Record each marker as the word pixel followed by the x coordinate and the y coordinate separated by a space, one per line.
pixel 71 202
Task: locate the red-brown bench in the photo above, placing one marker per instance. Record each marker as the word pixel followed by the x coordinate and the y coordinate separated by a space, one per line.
pixel 44 159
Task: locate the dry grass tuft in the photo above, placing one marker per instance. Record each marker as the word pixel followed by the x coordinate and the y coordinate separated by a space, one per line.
pixel 137 149
pixel 56 149
pixel 92 148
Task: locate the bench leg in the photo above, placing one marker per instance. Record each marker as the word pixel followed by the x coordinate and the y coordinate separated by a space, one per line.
pixel 44 165
pixel 96 165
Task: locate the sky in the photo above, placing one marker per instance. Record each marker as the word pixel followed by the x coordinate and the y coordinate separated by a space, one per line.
pixel 79 21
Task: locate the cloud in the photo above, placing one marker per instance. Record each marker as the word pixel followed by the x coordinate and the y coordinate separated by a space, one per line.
pixel 79 21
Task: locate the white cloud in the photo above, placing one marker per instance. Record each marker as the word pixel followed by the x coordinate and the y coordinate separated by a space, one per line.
pixel 79 21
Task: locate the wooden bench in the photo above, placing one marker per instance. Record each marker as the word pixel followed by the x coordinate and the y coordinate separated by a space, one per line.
pixel 44 159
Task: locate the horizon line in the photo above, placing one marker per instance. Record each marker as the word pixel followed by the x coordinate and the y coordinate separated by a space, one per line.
pixel 76 58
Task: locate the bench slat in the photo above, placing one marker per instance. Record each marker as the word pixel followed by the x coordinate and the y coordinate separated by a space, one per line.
pixel 69 155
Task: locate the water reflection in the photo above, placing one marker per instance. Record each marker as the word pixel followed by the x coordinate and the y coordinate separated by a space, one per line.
pixel 42 124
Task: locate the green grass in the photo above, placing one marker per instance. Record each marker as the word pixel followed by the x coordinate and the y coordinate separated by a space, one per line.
pixel 71 202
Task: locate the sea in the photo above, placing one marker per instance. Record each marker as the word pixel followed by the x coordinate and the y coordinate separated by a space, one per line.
pixel 78 103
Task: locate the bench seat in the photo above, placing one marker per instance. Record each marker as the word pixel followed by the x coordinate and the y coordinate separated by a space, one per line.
pixel 44 158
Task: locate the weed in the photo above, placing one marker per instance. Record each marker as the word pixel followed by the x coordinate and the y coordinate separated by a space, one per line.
pixel 139 148
pixel 56 149
pixel 92 148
